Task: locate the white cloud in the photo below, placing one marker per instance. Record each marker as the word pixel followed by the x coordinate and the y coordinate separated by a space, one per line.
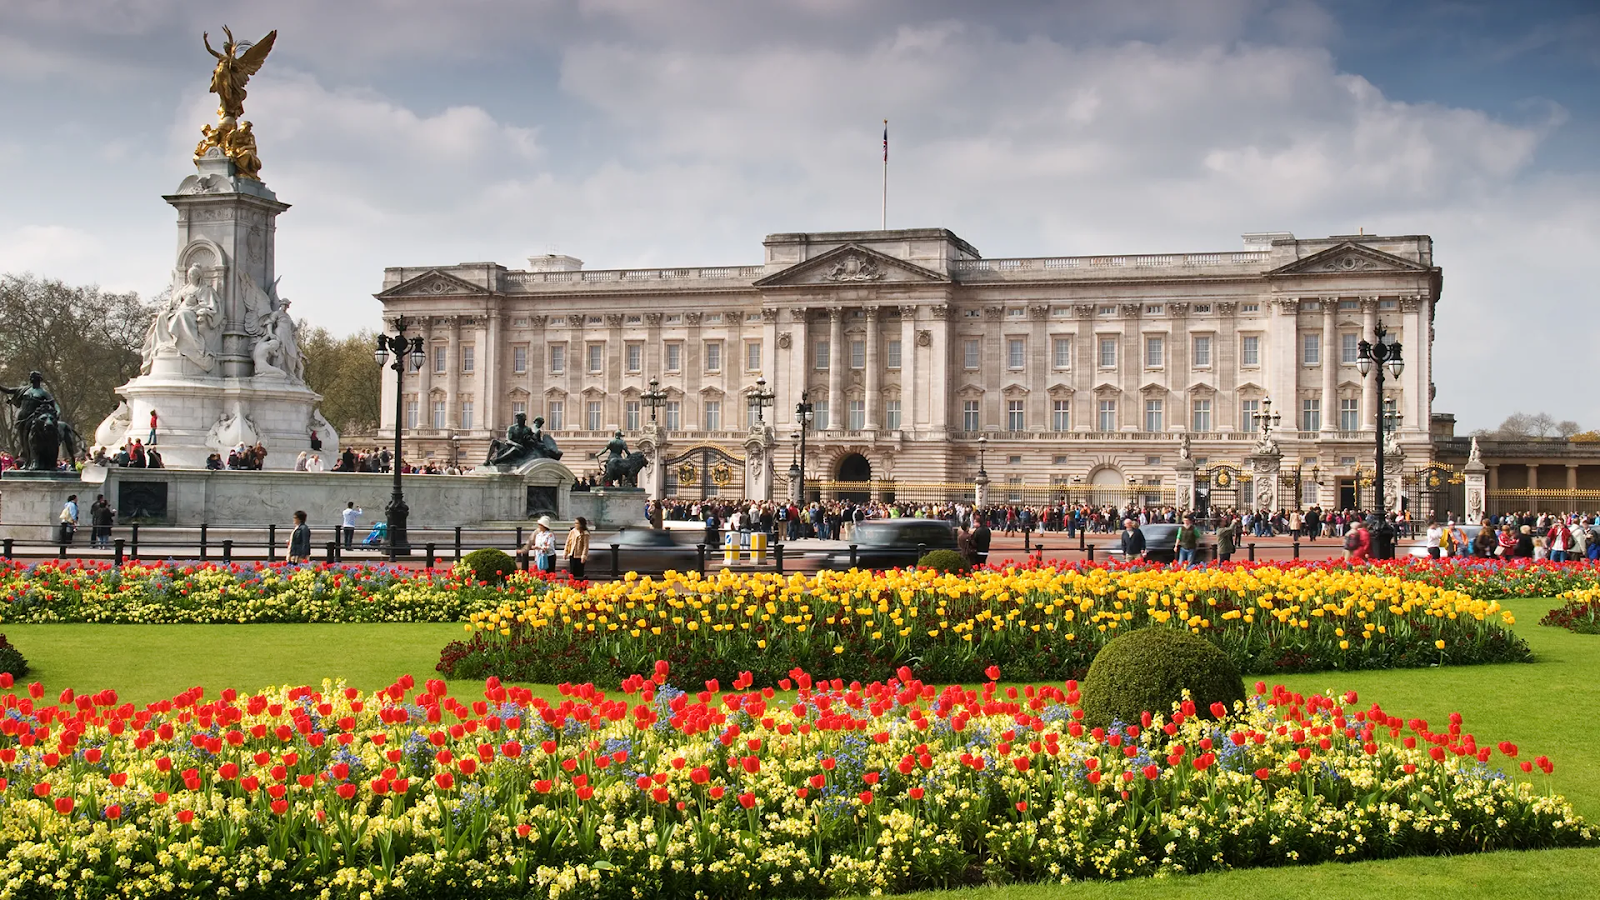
pixel 49 251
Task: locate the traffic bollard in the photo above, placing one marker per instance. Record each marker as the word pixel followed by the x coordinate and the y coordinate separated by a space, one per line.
pixel 432 556
pixel 1089 549
pixel 227 552
pixel 117 560
pixel 616 561
pixel 1252 548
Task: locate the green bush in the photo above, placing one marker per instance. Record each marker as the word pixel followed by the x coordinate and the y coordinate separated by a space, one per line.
pixel 943 561
pixel 488 565
pixel 1149 669
pixel 11 661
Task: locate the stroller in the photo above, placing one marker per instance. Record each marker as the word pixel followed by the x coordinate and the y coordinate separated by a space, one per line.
pixel 378 534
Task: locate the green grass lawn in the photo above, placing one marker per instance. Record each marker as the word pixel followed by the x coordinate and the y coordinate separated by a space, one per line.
pixel 1545 707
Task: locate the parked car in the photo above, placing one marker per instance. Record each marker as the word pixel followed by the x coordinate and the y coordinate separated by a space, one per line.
pixel 893 543
pixel 648 551
pixel 1161 544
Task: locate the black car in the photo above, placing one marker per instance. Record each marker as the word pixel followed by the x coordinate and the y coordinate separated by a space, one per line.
pixel 647 551
pixel 893 543
pixel 1161 544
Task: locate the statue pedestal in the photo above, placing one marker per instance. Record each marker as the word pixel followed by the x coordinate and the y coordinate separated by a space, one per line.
pixel 201 416
pixel 610 508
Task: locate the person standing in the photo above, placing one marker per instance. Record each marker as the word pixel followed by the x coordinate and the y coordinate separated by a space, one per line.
pixel 1432 538
pixel 1358 544
pixel 101 517
pixel 1188 541
pixel 348 518
pixel 69 519
pixel 152 441
pixel 980 540
pixel 1132 540
pixel 300 539
pixel 1227 538
pixel 576 548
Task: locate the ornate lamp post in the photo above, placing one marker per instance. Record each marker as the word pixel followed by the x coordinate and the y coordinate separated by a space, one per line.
pixel 761 398
pixel 1266 419
pixel 1372 357
pixel 406 352
pixel 804 411
pixel 654 398
pixel 980 485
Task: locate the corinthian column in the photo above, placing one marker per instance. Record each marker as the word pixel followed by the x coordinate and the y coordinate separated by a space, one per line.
pixel 1369 385
pixel 874 376
pixel 836 366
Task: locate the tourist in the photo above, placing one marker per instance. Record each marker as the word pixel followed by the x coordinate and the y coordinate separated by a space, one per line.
pixel 348 518
pixel 152 459
pixel 69 519
pixel 101 516
pixel 1524 543
pixel 981 539
pixel 300 539
pixel 964 546
pixel 1558 541
pixel 1358 543
pixel 1227 538
pixel 1188 541
pixel 543 545
pixel 301 463
pixel 214 463
pixel 152 441
pixel 1433 539
pixel 576 547
pixel 1132 540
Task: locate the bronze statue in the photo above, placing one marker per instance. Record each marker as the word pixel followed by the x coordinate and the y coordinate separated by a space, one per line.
pixel 230 135
pixel 621 468
pixel 522 444
pixel 41 433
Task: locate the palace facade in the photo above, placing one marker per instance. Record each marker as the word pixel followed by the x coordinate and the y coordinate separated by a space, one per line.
pixel 925 361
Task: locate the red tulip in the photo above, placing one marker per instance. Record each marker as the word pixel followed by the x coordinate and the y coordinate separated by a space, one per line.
pixel 444 780
pixel 915 793
pixel 865 797
pixel 993 672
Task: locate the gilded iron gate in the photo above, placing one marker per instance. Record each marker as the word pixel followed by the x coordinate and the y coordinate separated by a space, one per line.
pixel 706 470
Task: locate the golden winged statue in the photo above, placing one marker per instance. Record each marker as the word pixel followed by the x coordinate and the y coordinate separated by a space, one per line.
pixel 231 135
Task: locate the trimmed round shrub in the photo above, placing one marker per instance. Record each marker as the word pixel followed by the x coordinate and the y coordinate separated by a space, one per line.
pixel 489 565
pixel 943 561
pixel 11 661
pixel 1149 669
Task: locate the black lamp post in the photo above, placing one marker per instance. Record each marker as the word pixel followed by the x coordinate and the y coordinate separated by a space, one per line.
pixel 405 352
pixel 761 398
pixel 654 398
pixel 1266 419
pixel 804 411
pixel 1381 353
pixel 983 450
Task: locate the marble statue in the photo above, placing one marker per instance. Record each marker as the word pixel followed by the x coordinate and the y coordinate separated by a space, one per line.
pixel 522 444
pixel 1266 446
pixel 1475 456
pixel 1183 446
pixel 277 350
pixel 620 466
pixel 186 325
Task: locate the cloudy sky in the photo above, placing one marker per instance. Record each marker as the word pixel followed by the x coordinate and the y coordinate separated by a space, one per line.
pixel 669 132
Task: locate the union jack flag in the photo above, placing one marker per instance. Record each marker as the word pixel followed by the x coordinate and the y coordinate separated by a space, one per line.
pixel 885 140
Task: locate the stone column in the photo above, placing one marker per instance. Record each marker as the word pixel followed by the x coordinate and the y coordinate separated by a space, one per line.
pixel 452 376
pixel 1572 477
pixel 653 444
pixel 425 378
pixel 616 361
pixel 799 362
pixel 980 490
pixel 939 372
pixel 875 371
pixel 837 361
pixel 489 386
pixel 1475 493
pixel 1330 365
pixel 1183 480
pixel 1533 476
pixel 910 409
pixel 1037 376
pixel 1370 400
pixel 1494 476
pixel 759 458
pixel 694 369
pixel 1264 483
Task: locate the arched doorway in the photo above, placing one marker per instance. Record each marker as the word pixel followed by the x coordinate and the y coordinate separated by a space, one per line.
pixel 1108 488
pixel 855 467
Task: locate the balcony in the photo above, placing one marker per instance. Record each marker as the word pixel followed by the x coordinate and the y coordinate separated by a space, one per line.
pixel 533 281
pixel 1090 267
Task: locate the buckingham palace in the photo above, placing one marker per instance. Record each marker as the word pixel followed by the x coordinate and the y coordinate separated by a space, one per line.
pixel 923 362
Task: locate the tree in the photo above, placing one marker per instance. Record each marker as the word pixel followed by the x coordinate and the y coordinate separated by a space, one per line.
pixel 85 341
pixel 1527 425
pixel 342 371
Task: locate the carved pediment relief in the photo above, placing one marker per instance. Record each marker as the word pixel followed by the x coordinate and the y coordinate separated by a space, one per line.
pixel 1349 258
pixel 434 283
pixel 850 265
pixel 1106 387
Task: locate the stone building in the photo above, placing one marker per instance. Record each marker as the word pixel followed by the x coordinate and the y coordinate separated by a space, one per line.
pixel 1077 375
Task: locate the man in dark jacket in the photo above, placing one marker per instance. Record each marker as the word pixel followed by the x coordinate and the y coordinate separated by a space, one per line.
pixel 1132 540
pixel 980 540
pixel 300 539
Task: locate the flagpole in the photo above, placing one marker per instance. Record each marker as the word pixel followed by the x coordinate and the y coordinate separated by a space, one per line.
pixel 883 222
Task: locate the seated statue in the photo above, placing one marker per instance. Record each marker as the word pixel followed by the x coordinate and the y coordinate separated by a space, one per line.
pixel 522 444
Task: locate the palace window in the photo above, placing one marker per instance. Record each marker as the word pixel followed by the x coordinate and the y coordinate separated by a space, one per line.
pixel 1061 353
pixel 858 354
pixel 713 415
pixel 1154 309
pixel 1349 347
pixel 891 354
pixel 1349 414
pixel 1155 352
pixel 674 361
pixel 672 415
pixel 822 355
pixel 819 412
pixel 713 356
pixel 1108 353
pixel 1249 307
pixel 752 356
pixel 519 359
pixel 411 414
pixel 556 415
pixel 1310 414
pixel 1310 349
pixel 591 415
pixel 1247 414
pixel 1107 416
pixel 1061 415
pixel 1016 350
pixel 634 353
pixel 630 410
pixel 856 415
pixel 439 414
pixel 969 415
pixel 466 415
pixel 891 415
pixel 1200 415
pixel 1250 350
pixel 1202 351
pixel 969 353
pixel 467 352
pixel 1107 311
pixel 597 357
pixel 519 408
pixel 1015 419
pixel 439 359
pixel 558 359
pixel 1154 414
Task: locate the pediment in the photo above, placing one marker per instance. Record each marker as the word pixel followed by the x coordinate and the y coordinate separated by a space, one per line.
pixel 1349 258
pixel 970 388
pixel 1248 386
pixel 852 265
pixel 1200 387
pixel 1106 387
pixel 1153 388
pixel 1014 387
pixel 434 283
pixel 1060 387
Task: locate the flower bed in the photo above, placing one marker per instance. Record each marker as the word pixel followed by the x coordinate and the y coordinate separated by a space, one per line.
pixel 842 790
pixel 204 593
pixel 1581 612
pixel 1040 622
